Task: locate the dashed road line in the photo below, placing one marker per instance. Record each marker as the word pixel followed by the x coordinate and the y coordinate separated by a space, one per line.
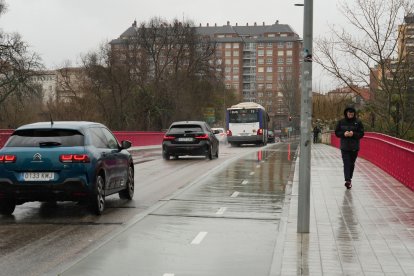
pixel 221 210
pixel 251 173
pixel 244 182
pixel 199 238
pixel 235 194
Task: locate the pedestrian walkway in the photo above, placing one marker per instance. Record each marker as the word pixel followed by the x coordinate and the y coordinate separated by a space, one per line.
pixel 367 230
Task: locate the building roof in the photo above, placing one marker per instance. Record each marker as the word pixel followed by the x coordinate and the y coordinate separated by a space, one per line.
pixel 246 33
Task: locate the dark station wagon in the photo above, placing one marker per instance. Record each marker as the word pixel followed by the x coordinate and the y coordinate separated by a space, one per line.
pixel 190 138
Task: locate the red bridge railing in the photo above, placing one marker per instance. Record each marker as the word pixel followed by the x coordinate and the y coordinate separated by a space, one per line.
pixel 394 156
pixel 138 138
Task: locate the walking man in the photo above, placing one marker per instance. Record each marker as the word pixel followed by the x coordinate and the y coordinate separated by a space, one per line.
pixel 350 130
pixel 316 131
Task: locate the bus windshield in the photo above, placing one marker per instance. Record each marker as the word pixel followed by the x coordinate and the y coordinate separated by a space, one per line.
pixel 243 116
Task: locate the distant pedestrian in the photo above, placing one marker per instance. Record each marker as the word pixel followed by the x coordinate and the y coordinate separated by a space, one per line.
pixel 316 131
pixel 350 130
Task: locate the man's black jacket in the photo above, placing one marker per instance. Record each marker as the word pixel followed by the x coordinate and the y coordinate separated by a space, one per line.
pixel 354 125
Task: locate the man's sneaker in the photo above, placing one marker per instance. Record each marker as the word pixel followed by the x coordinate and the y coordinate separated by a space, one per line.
pixel 348 184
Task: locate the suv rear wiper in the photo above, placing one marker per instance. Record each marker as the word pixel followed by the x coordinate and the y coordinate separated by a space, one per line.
pixel 49 143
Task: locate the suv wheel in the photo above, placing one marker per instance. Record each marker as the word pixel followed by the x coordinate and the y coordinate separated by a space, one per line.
pixel 165 155
pixel 98 197
pixel 209 153
pixel 128 193
pixel 7 206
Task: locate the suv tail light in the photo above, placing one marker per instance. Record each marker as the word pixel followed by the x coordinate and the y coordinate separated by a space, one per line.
pixel 202 137
pixel 229 133
pixel 74 158
pixel 8 158
pixel 260 131
pixel 168 138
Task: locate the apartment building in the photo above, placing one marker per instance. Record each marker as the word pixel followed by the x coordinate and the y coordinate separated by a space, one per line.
pixel 261 63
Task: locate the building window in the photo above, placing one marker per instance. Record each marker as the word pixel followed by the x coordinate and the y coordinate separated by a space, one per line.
pixel 271 35
pixel 260 61
pixel 235 61
pixel 280 69
pixel 260 69
pixel 260 45
pixel 236 77
pixel 227 69
pixel 280 53
pixel 289 61
pixel 235 70
pixel 269 69
pixel 289 44
pixel 269 61
pixel 235 85
pixel 228 86
pixel 269 86
pixel 236 53
pixel 269 77
pixel 269 53
pixel 270 44
pixel 228 54
pixel 280 44
pixel 236 46
pixel 228 45
pixel 260 77
pixel 228 61
pixel 260 53
pixel 260 86
pixel 288 69
pixel 289 53
pixel 280 60
pixel 260 94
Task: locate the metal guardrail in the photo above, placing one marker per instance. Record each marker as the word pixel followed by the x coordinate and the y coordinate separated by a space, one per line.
pixel 137 138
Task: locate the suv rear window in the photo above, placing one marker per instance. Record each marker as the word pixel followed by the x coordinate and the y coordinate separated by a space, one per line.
pixel 180 129
pixel 46 137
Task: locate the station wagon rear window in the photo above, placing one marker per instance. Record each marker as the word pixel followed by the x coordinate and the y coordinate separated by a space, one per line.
pixel 181 129
pixel 46 138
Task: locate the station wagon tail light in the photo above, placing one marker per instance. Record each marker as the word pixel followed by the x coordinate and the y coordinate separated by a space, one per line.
pixel 229 133
pixel 8 158
pixel 74 158
pixel 202 137
pixel 168 138
pixel 260 131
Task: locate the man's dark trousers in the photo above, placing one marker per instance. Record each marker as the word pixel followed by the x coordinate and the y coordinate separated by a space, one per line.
pixel 349 158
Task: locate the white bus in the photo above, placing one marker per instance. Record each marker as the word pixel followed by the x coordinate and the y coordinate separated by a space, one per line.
pixel 247 123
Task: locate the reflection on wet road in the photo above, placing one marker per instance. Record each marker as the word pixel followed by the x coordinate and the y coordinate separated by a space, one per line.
pixel 224 224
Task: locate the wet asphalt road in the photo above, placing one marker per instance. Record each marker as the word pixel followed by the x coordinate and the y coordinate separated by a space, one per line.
pixel 189 217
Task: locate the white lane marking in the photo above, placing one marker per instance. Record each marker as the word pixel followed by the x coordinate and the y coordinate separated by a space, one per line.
pixel 251 173
pixel 244 182
pixel 199 238
pixel 257 166
pixel 221 210
pixel 235 194
pixel 168 274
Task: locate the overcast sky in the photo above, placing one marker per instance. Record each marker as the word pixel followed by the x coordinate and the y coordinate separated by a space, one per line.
pixel 62 30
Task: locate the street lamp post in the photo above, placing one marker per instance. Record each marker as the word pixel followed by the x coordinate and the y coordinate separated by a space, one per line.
pixel 305 121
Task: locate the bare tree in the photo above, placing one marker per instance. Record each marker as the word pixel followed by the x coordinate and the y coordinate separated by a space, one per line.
pixel 17 67
pixel 365 51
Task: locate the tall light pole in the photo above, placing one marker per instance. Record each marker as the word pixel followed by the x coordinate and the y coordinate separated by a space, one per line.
pixel 305 121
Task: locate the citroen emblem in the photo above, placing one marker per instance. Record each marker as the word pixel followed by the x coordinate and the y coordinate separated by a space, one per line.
pixel 37 157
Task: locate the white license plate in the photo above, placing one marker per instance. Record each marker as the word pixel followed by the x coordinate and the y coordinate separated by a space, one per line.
pixel 38 176
pixel 185 139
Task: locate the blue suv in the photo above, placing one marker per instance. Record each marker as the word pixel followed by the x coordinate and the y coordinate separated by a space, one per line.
pixel 64 161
